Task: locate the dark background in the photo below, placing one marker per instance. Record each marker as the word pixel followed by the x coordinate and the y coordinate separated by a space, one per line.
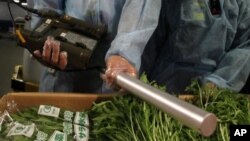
pixel 10 53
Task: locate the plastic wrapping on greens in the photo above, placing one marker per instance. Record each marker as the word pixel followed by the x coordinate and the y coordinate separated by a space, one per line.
pixel 43 123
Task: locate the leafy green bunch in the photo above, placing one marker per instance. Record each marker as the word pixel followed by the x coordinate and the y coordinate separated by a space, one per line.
pixel 128 118
pixel 28 116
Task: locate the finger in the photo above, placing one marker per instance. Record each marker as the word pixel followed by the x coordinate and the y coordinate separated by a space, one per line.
pixel 103 76
pixel 110 77
pixel 50 38
pixel 63 60
pixel 47 51
pixel 109 80
pixel 37 53
pixel 132 72
pixel 55 52
pixel 105 79
pixel 47 48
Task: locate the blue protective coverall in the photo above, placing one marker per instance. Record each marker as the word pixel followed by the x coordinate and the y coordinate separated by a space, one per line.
pixel 134 21
pixel 192 42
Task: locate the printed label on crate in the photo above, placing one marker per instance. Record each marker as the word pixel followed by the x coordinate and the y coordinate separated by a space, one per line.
pixel 68 115
pixel 6 116
pixel 41 136
pixel 20 129
pixel 81 118
pixel 67 128
pixel 58 136
pixel 81 133
pixel 49 111
pixel 81 130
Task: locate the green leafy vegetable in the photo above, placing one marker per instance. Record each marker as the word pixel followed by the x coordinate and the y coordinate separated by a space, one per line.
pixel 128 118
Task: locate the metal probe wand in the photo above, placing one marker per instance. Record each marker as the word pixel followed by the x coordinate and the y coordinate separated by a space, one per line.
pixel 190 115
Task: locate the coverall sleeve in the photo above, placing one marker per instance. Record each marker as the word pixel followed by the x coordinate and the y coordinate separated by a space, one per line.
pixel 137 23
pixel 234 67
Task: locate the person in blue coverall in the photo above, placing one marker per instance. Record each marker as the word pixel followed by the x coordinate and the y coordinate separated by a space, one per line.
pixel 204 40
pixel 130 24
